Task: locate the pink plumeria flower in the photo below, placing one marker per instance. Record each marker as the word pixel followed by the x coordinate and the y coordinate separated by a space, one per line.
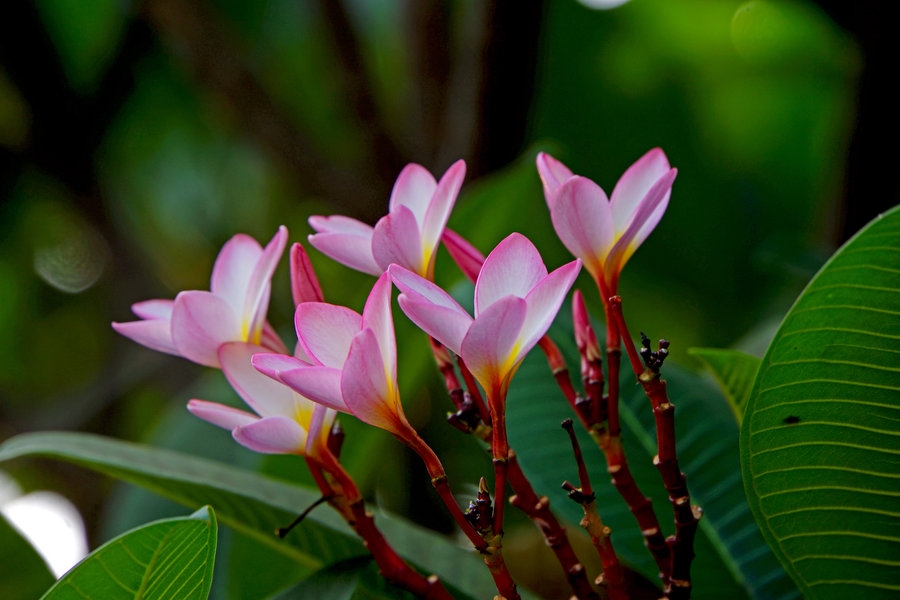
pixel 516 300
pixel 283 422
pixel 196 323
pixel 408 235
pixel 604 232
pixel 352 365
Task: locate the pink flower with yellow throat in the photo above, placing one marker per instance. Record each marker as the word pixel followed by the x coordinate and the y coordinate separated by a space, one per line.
pixel 408 235
pixel 605 231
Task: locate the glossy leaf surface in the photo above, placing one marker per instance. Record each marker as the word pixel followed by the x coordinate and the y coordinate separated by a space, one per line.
pixel 172 558
pixel 821 435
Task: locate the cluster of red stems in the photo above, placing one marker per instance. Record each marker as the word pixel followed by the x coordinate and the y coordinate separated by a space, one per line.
pixel 227 328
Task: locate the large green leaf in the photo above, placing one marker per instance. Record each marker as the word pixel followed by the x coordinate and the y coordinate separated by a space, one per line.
pixel 732 560
pixel 820 443
pixel 253 504
pixel 172 558
pixel 23 573
pixel 735 372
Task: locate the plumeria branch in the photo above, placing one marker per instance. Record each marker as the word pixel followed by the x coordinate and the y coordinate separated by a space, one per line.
pixel 681 545
pixel 616 462
pixel 598 532
pixel 525 499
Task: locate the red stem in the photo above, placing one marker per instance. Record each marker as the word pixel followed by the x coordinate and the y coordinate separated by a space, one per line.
pixel 681 545
pixel 352 507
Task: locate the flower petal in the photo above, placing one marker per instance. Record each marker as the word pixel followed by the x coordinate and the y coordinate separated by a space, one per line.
pixel 370 392
pixel 634 184
pixel 267 397
pixel 553 174
pixel 259 288
pixel 271 340
pixel 304 283
pixel 155 334
pixel 153 309
pixel 272 435
pixel 233 269
pixel 431 308
pixel 325 330
pixel 543 303
pixel 439 207
pixel 513 267
pixel 345 240
pixel 397 240
pixel 377 317
pixel 319 384
pixel 645 218
pixel 582 219
pixel 270 364
pixel 490 346
pixel 465 255
pixel 226 417
pixel 201 322
pixel 413 189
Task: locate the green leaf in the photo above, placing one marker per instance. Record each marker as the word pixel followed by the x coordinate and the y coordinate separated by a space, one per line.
pixel 733 560
pixel 821 438
pixel 254 505
pixel 23 573
pixel 171 558
pixel 352 579
pixel 735 372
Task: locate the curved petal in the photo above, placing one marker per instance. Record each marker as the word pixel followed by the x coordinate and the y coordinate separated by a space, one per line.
pixel 446 325
pixel 465 255
pixel 370 392
pixel 233 269
pixel 153 309
pixel 440 206
pixel 490 346
pixel 156 334
pixel 256 299
pixel 645 218
pixel 513 267
pixel 397 240
pixel 271 364
pixel 543 303
pixel 201 322
pixel 413 189
pixel 267 397
pixel 414 285
pixel 325 330
pixel 377 317
pixel 553 174
pixel 634 184
pixel 431 308
pixel 220 415
pixel 319 384
pixel 272 435
pixel 582 219
pixel 338 224
pixel 345 240
pixel 304 283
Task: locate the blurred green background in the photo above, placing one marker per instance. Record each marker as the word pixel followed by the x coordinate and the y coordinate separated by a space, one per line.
pixel 137 137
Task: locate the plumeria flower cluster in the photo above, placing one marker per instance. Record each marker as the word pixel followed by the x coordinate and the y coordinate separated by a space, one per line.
pixel 347 362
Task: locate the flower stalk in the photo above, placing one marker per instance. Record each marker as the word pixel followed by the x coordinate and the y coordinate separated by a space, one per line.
pixel 612 577
pixel 680 545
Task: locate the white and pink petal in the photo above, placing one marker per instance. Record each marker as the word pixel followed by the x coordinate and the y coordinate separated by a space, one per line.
pixel 513 267
pixel 272 435
pixel 201 322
